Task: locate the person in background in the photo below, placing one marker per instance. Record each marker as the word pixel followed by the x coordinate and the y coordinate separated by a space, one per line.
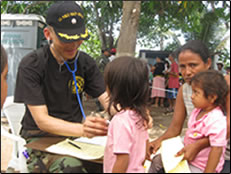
pixel 113 54
pixel 104 59
pixel 51 82
pixel 193 57
pixel 167 69
pixel 173 82
pixel 158 85
pixel 4 72
pixel 227 70
pixel 150 74
pixel 220 67
pixel 127 137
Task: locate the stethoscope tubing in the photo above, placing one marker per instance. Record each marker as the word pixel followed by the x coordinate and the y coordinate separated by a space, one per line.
pixel 76 86
pixel 73 74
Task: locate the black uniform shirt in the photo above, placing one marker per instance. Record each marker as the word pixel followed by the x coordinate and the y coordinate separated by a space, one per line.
pixel 41 81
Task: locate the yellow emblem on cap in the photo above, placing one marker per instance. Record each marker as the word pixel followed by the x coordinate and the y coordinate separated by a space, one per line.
pixel 67 15
pixel 76 36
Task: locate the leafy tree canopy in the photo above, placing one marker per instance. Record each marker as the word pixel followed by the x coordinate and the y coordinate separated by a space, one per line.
pixel 159 21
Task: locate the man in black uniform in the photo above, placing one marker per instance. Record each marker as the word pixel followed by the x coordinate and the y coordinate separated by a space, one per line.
pixel 51 80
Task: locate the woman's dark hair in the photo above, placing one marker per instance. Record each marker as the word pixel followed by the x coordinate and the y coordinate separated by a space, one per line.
pixel 127 80
pixel 212 83
pixel 3 58
pixel 196 46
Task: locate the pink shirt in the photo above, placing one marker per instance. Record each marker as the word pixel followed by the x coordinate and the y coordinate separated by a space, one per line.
pixel 125 136
pixel 213 125
pixel 173 82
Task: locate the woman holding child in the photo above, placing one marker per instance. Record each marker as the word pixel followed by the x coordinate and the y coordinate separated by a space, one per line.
pixel 193 58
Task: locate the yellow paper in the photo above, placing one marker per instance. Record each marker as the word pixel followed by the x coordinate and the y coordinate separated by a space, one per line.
pixel 182 167
pixel 87 151
pixel 173 164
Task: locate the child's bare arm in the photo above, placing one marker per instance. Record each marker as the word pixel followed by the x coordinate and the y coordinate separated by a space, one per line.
pixel 121 163
pixel 213 160
pixel 191 150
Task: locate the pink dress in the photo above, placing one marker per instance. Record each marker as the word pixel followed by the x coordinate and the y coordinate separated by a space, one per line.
pixel 125 136
pixel 212 125
pixel 158 87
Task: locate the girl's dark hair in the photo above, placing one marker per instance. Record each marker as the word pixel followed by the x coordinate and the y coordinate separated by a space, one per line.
pixel 127 80
pixel 3 58
pixel 196 46
pixel 212 83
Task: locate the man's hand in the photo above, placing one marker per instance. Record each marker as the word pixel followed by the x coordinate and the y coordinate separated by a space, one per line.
pixel 95 126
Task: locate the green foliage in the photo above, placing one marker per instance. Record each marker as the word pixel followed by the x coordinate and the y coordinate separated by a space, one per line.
pixel 92 46
pixel 224 56
pixel 206 20
pixel 193 18
pixel 26 7
pixel 174 45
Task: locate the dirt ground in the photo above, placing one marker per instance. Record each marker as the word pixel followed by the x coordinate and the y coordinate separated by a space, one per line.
pixel 160 123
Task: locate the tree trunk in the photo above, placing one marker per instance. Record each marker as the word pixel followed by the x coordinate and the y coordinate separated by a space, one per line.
pixel 128 32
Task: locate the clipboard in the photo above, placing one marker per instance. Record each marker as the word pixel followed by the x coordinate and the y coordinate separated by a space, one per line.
pixel 172 164
pixel 43 143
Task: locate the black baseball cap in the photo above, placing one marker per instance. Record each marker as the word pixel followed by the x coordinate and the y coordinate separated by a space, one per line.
pixel 67 20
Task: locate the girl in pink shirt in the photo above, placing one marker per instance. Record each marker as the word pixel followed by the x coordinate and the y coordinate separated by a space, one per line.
pixel 207 120
pixel 127 83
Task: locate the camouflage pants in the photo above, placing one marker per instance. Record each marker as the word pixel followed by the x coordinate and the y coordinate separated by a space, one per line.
pixel 44 162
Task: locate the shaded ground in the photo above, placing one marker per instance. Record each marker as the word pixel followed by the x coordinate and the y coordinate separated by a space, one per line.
pixel 160 119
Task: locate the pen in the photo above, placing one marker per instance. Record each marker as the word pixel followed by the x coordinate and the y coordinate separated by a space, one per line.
pixel 74 145
pixel 26 154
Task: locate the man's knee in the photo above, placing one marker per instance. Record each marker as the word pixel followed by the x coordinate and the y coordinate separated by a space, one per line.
pixel 42 162
pixel 67 165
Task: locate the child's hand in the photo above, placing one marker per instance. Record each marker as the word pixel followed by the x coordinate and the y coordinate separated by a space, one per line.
pixel 188 151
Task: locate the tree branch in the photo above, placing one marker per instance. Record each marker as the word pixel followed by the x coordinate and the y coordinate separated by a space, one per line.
pixel 33 4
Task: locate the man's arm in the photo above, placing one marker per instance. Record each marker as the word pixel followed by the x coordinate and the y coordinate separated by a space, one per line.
pixel 91 127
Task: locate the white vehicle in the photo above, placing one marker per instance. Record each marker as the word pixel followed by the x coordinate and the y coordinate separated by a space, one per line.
pixel 20 34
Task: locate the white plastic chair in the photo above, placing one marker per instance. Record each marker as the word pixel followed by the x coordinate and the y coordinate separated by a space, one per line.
pixel 14 113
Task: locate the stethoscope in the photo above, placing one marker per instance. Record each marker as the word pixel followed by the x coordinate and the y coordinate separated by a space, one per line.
pixel 73 74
